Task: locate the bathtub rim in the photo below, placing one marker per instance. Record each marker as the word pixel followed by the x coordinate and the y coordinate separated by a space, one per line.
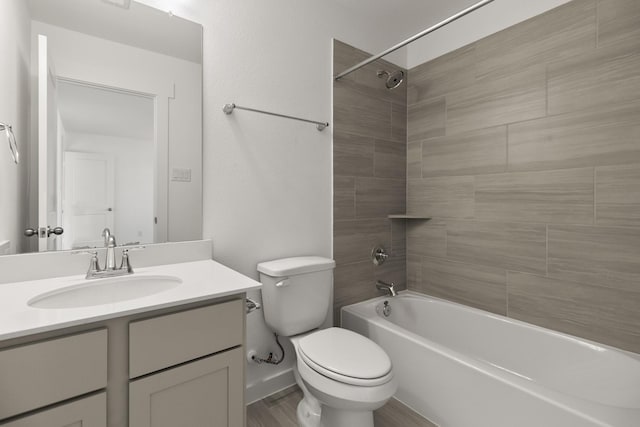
pixel 490 314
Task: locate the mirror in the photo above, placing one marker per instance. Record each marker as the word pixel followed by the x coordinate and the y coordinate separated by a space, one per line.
pixel 116 125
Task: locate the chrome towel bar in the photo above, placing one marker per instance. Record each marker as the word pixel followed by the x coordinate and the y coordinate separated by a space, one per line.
pixel 228 109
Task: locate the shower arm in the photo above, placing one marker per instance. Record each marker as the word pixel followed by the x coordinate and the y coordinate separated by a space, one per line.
pixel 414 38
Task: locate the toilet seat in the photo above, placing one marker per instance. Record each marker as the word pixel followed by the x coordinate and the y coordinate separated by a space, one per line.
pixel 346 357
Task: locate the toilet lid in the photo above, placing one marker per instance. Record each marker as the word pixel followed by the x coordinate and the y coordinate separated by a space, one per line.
pixel 345 356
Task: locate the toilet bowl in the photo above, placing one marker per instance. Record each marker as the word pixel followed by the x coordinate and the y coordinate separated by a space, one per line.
pixel 349 375
pixel 344 376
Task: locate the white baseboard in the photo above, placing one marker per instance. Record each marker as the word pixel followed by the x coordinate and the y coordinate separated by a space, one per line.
pixel 268 386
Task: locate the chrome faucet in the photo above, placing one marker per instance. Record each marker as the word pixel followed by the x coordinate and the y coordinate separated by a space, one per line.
pixel 387 287
pixel 110 269
pixel 110 244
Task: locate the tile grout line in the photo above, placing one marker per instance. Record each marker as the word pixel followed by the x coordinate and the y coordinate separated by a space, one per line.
pixel 546 256
pixel 595 210
pixel 597 23
pixel 506 137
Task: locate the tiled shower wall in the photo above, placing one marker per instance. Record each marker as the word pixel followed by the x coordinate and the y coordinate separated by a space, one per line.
pixel 524 147
pixel 369 172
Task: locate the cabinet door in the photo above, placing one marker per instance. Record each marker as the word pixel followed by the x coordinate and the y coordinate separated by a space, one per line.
pixel 87 412
pixel 206 393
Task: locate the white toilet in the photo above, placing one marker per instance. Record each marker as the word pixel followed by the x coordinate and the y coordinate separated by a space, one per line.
pixel 344 376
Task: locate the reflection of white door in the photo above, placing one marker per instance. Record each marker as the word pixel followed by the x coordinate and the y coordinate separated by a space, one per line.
pixel 88 198
pixel 48 150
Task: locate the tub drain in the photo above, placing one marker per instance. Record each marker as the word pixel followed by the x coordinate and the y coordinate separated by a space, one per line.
pixel 386 309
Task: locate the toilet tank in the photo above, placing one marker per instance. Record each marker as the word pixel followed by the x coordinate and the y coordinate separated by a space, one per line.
pixel 296 293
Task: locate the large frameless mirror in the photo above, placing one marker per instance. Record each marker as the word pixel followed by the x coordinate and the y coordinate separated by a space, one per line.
pixel 116 125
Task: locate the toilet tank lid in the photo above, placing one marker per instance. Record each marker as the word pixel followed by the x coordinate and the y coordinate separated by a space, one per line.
pixel 296 265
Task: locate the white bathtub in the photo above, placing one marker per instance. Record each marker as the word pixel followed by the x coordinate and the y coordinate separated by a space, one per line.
pixel 462 367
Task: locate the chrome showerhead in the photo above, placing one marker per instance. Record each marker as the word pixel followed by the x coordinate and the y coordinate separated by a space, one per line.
pixel 393 79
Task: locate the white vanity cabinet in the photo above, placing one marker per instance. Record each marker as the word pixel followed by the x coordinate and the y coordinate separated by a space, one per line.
pixel 187 368
pixel 36 376
pixel 171 358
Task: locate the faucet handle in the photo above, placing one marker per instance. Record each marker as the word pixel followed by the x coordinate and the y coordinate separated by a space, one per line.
pixel 94 264
pixel 126 264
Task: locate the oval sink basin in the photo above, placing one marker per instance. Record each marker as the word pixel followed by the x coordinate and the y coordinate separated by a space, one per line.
pixel 104 291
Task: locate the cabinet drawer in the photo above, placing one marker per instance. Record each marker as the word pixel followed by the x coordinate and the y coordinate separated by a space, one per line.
pixel 166 341
pixel 87 412
pixel 36 375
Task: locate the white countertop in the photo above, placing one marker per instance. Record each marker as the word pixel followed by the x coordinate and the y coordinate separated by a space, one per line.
pixel 201 280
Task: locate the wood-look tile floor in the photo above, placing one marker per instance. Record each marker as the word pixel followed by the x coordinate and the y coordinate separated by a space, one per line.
pixel 279 410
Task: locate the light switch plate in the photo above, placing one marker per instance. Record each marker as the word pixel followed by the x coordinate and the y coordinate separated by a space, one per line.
pixel 181 175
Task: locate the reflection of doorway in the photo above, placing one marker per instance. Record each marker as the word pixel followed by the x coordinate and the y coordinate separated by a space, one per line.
pixel 88 198
pixel 109 164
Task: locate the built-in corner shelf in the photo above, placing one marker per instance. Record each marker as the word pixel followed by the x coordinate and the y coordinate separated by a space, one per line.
pixel 405 216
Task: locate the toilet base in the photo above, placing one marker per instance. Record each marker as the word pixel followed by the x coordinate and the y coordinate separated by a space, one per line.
pixel 311 413
pixel 332 417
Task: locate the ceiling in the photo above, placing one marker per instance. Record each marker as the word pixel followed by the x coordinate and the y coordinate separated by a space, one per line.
pixel 95 110
pixel 404 17
pixel 140 25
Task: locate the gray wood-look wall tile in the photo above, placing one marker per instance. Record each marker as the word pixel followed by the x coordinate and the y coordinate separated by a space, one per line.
pixel 602 256
pixel 474 285
pixel 564 201
pixel 353 283
pixel 398 238
pixel 562 32
pixel 365 80
pixel 445 74
pixel 370 164
pixel 346 56
pixel 353 240
pixel 414 271
pixel 394 270
pixel 593 312
pixel 560 196
pixel 390 159
pixel 476 152
pixel 510 246
pixel 368 82
pixel 414 160
pixel 594 79
pixel 379 197
pixel 426 238
pixel 353 154
pixel 589 138
pixel 493 101
pixel 618 195
pixel 344 197
pixel 360 114
pixel 618 22
pixel 399 121
pixel 450 196
pixel 426 119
